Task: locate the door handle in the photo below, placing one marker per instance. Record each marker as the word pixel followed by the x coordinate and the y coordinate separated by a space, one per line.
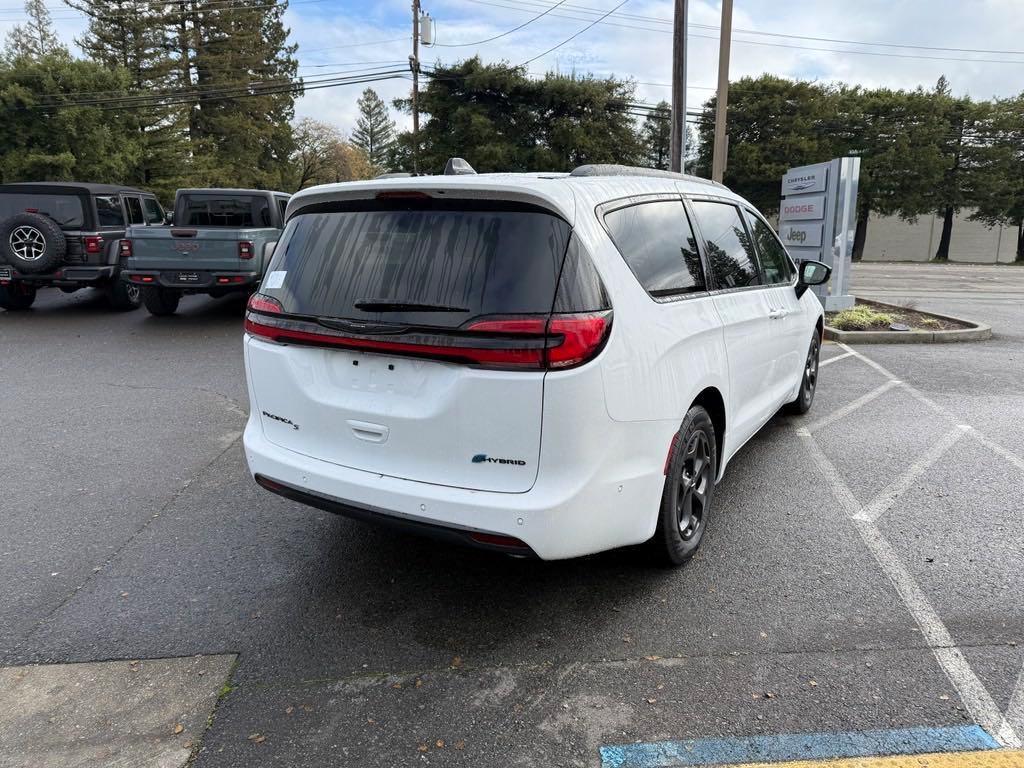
pixel 372 433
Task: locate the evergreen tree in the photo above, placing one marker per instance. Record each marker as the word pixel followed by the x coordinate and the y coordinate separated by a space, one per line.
pixel 137 35
pixel 245 89
pixel 375 130
pixel 1000 198
pixel 45 137
pixel 35 38
pixel 657 136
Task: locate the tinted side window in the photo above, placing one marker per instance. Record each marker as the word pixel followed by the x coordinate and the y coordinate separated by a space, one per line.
pixel 774 260
pixel 729 248
pixel 108 211
pixel 153 212
pixel 658 244
pixel 282 204
pixel 134 210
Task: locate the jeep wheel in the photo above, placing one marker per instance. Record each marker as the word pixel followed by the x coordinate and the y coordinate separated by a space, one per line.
pixel 31 242
pixel 17 296
pixel 160 301
pixel 124 296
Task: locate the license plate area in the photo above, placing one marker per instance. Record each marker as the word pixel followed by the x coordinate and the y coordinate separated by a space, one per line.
pixel 187 277
pixel 6 273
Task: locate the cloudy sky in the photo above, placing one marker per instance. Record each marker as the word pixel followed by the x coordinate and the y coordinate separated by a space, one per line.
pixel 977 44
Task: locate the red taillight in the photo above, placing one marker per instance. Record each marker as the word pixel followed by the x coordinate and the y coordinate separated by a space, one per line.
pixel 260 303
pixel 31 210
pixel 141 278
pixel 496 540
pixel 403 194
pixel 245 249
pixel 517 343
pixel 582 337
pixel 93 244
pixel 126 248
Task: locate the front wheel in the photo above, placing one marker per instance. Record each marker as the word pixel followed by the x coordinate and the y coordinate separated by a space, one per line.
pixel 808 380
pixel 160 301
pixel 689 488
pixel 124 296
pixel 17 296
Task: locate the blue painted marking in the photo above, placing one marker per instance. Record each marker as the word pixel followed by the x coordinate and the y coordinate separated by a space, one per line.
pixel 796 746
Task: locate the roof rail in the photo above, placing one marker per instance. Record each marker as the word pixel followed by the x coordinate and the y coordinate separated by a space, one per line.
pixel 611 169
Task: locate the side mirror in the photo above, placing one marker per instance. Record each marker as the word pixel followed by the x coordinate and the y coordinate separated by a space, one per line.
pixel 811 273
pixel 168 217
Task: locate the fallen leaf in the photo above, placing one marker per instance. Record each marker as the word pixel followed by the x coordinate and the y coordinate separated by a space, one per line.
pixel 813 683
pixel 652 658
pixel 460 744
pixel 764 634
pixel 396 685
pixel 769 695
pixel 419 683
pixel 260 739
pixel 289 710
pixel 422 747
pixel 439 743
pixel 371 721
pixel 627 639
pixel 456 662
pixel 652 701
pixel 179 728
pixel 944 697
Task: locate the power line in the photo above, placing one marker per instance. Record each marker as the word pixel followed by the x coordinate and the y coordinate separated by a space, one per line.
pixel 503 34
pixel 573 37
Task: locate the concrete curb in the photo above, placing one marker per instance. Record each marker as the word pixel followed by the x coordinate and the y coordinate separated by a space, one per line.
pixel 977 331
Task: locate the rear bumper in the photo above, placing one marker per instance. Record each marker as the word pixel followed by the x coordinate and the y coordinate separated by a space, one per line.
pixel 193 280
pixel 65 276
pixel 595 506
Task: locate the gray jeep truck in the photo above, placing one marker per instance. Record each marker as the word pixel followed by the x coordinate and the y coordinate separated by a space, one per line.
pixel 69 235
pixel 220 242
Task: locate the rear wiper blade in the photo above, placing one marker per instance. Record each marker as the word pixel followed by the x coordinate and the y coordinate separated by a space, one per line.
pixel 384 305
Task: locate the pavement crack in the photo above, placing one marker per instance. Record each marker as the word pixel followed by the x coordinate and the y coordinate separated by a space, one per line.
pixel 96 571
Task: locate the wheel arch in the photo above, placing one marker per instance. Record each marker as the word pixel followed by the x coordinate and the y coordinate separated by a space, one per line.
pixel 711 400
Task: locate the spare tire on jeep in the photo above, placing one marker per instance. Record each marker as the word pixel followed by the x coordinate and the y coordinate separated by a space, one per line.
pixel 31 242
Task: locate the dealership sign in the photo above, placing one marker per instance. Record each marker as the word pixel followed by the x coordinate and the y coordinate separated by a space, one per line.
pixel 802 181
pixel 817 221
pixel 803 207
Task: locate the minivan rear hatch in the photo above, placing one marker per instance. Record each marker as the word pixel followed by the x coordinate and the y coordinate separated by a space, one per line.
pixel 407 337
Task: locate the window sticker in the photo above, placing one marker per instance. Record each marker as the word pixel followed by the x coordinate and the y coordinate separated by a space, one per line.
pixel 274 280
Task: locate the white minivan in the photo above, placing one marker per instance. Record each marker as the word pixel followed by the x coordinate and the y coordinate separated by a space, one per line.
pixel 539 364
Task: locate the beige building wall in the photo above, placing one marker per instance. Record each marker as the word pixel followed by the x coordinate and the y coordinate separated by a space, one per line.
pixel 892 239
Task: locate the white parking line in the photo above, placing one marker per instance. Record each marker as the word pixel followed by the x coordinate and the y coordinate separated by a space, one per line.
pixel 1011 457
pixel 830 360
pixel 849 408
pixel 972 691
pixel 1015 709
pixel 884 501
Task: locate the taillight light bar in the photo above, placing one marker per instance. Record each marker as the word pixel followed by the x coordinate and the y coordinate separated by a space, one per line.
pixel 516 343
pixel 245 249
pixel 125 248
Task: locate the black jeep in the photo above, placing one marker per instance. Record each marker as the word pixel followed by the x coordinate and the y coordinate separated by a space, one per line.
pixel 69 235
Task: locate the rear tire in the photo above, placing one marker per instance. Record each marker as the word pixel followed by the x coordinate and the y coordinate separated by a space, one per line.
pixel 808 380
pixel 17 296
pixel 160 301
pixel 123 296
pixel 689 488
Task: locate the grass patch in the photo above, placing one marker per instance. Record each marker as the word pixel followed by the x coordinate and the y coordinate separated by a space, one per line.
pixel 861 318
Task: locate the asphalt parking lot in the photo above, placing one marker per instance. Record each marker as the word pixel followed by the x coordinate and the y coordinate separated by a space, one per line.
pixel 863 569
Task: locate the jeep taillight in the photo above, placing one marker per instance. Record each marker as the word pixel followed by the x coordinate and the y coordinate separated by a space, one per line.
pixel 125 248
pixel 245 250
pixel 93 244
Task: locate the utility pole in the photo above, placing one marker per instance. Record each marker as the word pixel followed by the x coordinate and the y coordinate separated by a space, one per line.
pixel 414 64
pixel 677 152
pixel 722 102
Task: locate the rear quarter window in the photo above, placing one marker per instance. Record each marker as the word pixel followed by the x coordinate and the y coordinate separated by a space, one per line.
pixel 657 242
pixel 66 210
pixel 108 211
pixel 470 262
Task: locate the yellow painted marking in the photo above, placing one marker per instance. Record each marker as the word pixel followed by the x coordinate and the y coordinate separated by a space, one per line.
pixel 990 759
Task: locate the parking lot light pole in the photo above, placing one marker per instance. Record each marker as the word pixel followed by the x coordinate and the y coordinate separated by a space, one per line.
pixel 414 64
pixel 722 102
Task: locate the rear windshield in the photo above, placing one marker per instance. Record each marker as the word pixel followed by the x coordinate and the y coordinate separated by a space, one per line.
pixel 66 210
pixel 223 211
pixel 353 264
